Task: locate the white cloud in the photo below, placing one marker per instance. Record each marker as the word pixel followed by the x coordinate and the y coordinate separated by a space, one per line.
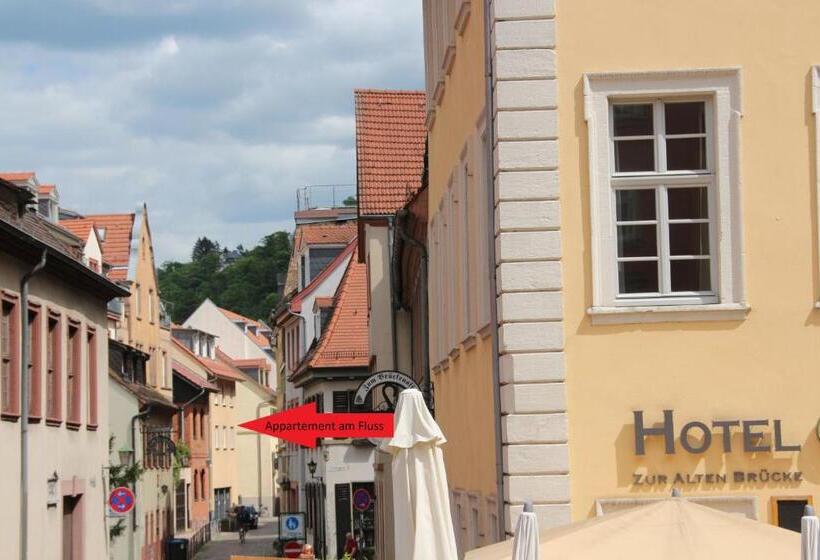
pixel 214 128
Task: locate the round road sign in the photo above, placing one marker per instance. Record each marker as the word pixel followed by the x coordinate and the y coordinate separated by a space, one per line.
pixel 362 499
pixel 121 500
pixel 292 549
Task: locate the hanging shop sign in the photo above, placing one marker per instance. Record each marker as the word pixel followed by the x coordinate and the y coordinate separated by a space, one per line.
pixel 391 382
pixel 698 437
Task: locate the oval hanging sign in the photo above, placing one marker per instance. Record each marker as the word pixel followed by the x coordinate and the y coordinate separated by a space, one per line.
pixel 395 378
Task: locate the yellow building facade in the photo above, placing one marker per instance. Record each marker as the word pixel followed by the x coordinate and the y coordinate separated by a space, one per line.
pixel 655 255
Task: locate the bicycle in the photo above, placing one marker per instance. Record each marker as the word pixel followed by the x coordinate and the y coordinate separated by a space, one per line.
pixel 242 532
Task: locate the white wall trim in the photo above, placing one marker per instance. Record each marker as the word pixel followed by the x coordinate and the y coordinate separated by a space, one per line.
pixel 723 87
pixel 668 314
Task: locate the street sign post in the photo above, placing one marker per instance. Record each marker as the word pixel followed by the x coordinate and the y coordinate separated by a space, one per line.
pixel 292 526
pixel 362 499
pixel 292 549
pixel 121 500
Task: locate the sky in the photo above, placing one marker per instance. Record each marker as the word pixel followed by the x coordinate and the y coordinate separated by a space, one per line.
pixel 213 112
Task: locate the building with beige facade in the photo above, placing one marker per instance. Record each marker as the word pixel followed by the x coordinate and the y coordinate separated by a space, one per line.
pixel 654 295
pixel 65 377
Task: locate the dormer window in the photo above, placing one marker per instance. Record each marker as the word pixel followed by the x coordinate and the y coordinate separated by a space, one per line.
pixel 314 260
pixel 101 233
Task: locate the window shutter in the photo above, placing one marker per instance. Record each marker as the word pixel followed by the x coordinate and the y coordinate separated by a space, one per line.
pixel 341 401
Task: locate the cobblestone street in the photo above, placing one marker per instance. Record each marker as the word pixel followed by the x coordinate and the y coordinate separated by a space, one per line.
pixel 258 542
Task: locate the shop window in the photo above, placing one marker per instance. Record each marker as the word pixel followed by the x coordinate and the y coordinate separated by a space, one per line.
pixel 787 512
pixel 656 187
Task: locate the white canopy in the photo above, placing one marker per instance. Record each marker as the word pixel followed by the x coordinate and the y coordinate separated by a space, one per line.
pixel 423 524
pixel 673 529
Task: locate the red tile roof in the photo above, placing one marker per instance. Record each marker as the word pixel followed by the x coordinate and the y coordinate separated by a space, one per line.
pixel 14 176
pixel 80 228
pixel 259 339
pixel 345 212
pixel 216 367
pixel 116 242
pixel 46 189
pixel 323 302
pixel 296 302
pixel 193 378
pixel 327 233
pixel 345 341
pixel 390 144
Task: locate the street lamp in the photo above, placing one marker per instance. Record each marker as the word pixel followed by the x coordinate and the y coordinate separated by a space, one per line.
pixel 312 468
pixel 126 453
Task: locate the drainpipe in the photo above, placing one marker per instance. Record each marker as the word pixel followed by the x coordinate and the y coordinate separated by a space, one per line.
pixel 490 132
pixel 24 379
pixel 134 419
pixel 426 388
pixel 259 453
pixel 394 287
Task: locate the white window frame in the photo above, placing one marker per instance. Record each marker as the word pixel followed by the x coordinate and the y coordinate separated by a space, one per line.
pixel 722 88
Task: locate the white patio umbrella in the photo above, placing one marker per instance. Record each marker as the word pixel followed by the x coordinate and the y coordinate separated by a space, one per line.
pixel 421 504
pixel 525 545
pixel 810 536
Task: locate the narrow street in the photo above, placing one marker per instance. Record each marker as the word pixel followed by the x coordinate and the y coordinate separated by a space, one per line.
pixel 258 542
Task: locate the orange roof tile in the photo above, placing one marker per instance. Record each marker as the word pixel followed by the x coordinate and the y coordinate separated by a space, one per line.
pixel 116 241
pixel 327 233
pixel 46 189
pixel 323 302
pixel 216 367
pixel 80 228
pixel 17 175
pixel 259 339
pixel 345 341
pixel 193 378
pixel 296 302
pixel 390 145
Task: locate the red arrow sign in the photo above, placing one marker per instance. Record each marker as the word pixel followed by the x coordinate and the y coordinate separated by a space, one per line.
pixel 303 425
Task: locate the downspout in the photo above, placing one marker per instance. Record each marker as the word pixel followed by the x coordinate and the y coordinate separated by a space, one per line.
pixel 394 287
pixel 490 173
pixel 425 343
pixel 134 419
pixel 24 379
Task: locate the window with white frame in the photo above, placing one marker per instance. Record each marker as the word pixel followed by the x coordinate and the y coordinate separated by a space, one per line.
pixel 662 180
pixel 664 191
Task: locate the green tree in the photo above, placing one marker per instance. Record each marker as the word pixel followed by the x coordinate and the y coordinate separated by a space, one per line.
pixel 248 286
pixel 350 201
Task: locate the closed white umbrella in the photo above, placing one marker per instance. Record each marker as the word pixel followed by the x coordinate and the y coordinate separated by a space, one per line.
pixel 525 545
pixel 810 536
pixel 421 503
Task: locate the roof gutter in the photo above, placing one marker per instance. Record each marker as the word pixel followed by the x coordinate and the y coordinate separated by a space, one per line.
pixel 490 192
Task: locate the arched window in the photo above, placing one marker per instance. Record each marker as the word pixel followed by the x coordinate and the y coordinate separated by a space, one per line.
pixel 203 481
pixel 194 423
pixel 196 486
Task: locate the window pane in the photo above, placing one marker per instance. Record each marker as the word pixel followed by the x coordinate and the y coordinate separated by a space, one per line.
pixel 685 153
pixel 688 203
pixel 632 120
pixel 691 275
pixel 637 241
pixel 634 155
pixel 685 118
pixel 689 239
pixel 634 205
pixel 638 277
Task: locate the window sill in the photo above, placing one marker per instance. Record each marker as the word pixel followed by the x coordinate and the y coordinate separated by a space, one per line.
pixel 92 427
pixel 74 426
pixel 53 422
pixel 668 313
pixel 9 416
